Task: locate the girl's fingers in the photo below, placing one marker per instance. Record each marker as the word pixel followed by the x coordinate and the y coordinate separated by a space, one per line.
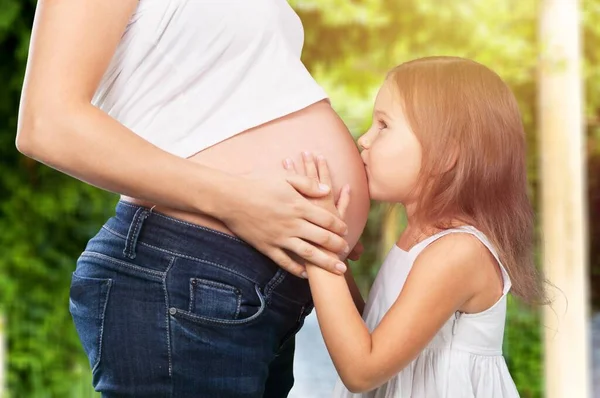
pixel 290 166
pixel 323 170
pixel 307 186
pixel 343 201
pixel 309 165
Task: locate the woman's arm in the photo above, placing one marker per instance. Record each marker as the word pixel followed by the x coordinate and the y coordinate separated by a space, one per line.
pixel 72 44
pixel 440 282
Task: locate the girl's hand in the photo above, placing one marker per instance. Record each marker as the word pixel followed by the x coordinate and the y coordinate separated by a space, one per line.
pixel 320 173
pixel 342 203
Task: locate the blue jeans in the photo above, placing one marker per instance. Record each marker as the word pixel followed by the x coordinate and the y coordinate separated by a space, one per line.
pixel 164 308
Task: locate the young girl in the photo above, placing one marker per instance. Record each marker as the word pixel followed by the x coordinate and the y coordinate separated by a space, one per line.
pixel 446 142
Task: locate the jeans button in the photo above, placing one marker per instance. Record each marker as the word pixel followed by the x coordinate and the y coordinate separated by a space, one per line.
pixel 172 311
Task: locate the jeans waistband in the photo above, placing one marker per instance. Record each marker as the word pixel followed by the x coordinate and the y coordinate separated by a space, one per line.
pixel 144 227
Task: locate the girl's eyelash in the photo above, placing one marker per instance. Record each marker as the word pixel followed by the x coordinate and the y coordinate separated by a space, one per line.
pixel 382 124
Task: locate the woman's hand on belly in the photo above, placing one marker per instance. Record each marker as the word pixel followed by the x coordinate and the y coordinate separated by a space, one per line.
pixel 261 208
pixel 270 214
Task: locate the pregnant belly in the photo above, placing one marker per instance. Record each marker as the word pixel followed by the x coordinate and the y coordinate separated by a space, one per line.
pixel 262 149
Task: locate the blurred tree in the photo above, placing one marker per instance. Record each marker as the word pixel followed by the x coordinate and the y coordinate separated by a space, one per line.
pixel 45 220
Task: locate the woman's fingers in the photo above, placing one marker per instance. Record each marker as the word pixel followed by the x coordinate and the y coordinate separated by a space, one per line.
pixel 315 256
pixel 326 219
pixel 269 213
pixel 332 242
pixel 287 263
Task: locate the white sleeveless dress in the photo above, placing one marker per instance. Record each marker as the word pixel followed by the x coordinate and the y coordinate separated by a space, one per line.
pixel 464 359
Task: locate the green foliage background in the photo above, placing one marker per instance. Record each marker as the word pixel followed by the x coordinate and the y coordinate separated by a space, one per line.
pixel 46 218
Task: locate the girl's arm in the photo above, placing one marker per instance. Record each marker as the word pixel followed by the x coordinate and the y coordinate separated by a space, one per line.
pixel 440 282
pixel 357 298
pixel 438 285
pixel 354 255
pixel 72 44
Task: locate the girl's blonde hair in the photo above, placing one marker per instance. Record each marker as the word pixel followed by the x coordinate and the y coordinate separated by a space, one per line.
pixel 473 158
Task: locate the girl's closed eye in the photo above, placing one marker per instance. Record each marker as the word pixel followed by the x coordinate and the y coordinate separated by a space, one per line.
pixel 382 125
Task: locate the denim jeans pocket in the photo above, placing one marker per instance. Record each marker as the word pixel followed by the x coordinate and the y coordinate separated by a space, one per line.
pixel 210 293
pixel 214 299
pixel 215 303
pixel 88 298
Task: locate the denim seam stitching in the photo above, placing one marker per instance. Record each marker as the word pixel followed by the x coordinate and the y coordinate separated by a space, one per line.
pixel 121 263
pixel 169 355
pixel 132 236
pixel 100 335
pixel 223 322
pixel 200 227
pixel 114 232
pixel 216 285
pixel 132 226
pixel 273 284
pixel 239 306
pixel 277 282
pixel 172 253
pixel 198 259
pixel 192 296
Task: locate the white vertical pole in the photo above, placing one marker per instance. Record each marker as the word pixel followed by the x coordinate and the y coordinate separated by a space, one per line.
pixel 562 151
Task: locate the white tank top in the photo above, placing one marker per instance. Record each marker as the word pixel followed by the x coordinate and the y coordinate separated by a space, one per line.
pixel 463 360
pixel 188 74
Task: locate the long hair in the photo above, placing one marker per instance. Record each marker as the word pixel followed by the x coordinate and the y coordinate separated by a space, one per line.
pixel 473 158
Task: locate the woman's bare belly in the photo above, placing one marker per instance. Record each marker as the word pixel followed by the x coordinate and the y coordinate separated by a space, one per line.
pixel 262 149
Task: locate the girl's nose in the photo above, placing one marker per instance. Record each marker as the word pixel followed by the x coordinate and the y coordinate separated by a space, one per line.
pixel 363 141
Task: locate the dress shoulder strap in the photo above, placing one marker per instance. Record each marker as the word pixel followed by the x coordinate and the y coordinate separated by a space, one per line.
pixel 419 247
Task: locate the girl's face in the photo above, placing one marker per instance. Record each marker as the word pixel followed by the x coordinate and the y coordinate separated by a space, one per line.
pixel 391 152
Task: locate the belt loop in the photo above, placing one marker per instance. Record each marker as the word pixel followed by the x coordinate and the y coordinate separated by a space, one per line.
pixel 134 231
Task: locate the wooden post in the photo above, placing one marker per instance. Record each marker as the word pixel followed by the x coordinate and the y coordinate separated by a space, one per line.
pixel 562 152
